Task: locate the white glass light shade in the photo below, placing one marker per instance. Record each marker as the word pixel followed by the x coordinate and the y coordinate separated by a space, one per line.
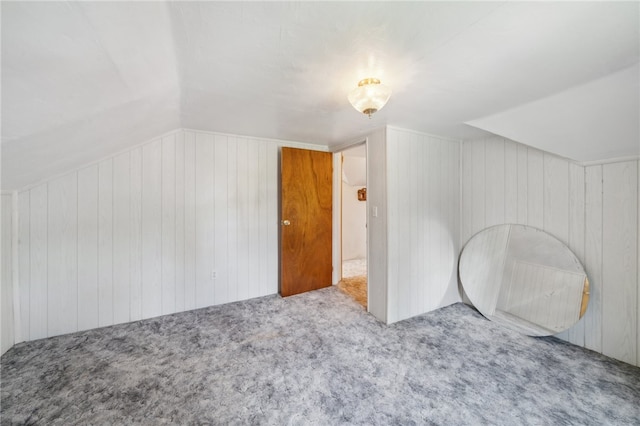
pixel 370 96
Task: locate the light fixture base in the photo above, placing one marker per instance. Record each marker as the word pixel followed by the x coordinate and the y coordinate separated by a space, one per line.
pixel 369 111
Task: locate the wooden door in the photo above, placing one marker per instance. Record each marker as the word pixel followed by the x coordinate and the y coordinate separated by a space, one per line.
pixel 306 178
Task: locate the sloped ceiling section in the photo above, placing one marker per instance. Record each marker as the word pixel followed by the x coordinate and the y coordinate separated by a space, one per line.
pixel 594 121
pixel 83 80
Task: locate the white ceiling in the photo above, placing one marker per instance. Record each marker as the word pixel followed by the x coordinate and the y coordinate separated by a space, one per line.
pixel 83 80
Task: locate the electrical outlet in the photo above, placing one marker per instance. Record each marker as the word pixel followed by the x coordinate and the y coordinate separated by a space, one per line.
pixel 214 275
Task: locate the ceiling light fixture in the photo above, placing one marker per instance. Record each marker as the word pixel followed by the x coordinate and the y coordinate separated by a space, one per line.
pixel 370 96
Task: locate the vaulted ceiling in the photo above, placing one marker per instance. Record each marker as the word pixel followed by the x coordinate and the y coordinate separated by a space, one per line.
pixel 83 80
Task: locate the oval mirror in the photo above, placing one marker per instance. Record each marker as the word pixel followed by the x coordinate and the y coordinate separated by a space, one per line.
pixel 525 279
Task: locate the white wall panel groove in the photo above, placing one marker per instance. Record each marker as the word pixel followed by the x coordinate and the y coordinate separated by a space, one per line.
pixel 593 209
pixel 38 254
pixel 105 243
pixel 180 195
pixel 139 234
pixel 24 262
pixel 122 238
pixel 6 280
pixel 169 208
pixel 619 260
pixel 135 235
pixel 62 250
pixel 151 225
pixel 593 256
pixel 88 248
pixel 577 225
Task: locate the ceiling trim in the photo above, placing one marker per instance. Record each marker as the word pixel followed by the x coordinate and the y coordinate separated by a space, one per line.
pixel 609 160
pixel 283 142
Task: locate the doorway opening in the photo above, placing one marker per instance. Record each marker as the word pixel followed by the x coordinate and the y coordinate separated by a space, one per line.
pixel 353 238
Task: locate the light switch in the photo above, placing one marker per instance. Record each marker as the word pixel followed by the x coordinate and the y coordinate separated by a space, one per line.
pixel 374 211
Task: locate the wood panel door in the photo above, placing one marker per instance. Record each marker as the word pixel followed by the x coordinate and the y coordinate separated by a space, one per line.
pixel 306 178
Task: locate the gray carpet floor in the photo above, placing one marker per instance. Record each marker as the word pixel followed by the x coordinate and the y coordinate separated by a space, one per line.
pixel 316 358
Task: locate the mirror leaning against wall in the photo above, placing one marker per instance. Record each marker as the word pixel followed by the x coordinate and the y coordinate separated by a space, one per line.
pixel 524 279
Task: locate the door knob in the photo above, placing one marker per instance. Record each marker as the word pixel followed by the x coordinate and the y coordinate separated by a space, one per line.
pixel 286 223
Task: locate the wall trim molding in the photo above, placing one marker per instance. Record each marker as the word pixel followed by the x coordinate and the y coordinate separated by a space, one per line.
pixel 610 160
pixel 280 142
pixel 431 135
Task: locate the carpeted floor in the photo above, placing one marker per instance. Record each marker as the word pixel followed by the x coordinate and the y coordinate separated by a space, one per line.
pixel 318 359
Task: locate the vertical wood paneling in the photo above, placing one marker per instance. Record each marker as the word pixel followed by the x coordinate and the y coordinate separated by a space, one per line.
pixel 377 260
pixel 453 246
pixel 105 243
pixel 510 182
pixel 168 225
pixel 180 222
pixel 422 208
pixel 419 295
pixel 6 279
pixel 420 264
pixel 555 207
pixel 135 235
pixel 535 187
pixel 24 262
pixel 152 230
pixel 139 234
pixel 204 220
pixel 467 187
pixel 88 248
pixel 242 218
pixel 619 260
pixel 593 257
pixel 523 183
pixel 62 272
pixel 221 201
pixel 253 207
pixel 121 238
pixel 437 235
pixel 393 160
pixel 577 233
pixel 406 303
pixel 189 221
pixel 495 182
pixel 263 203
pixel 478 195
pixel 272 218
pixel 38 266
pixel 232 215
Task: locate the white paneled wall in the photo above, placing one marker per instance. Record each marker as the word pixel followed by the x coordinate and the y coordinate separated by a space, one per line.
pixel 6 282
pixel 377 253
pixel 592 209
pixel 185 221
pixel 423 225
pixel 191 220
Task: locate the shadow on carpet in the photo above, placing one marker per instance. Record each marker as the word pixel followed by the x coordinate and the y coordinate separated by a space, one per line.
pixel 315 358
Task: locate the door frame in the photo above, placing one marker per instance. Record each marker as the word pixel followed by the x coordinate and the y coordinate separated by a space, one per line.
pixel 337 207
